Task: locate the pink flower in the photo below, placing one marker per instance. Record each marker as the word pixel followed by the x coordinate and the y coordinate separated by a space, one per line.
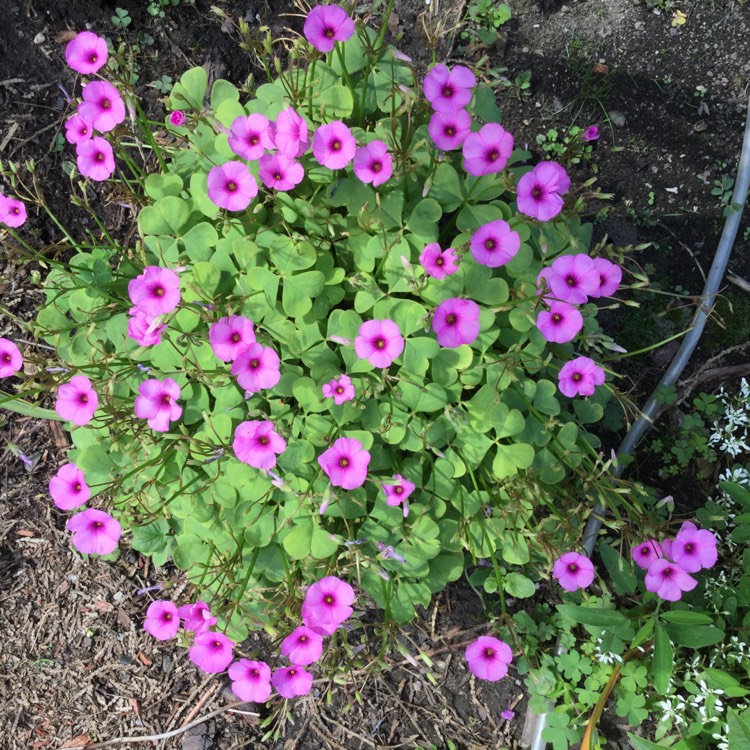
pixel 574 278
pixel 157 403
pixel 487 151
pixel 102 106
pixel 438 263
pixel 345 463
pixel 373 163
pixel 251 680
pixel 77 129
pixel 494 244
pixel 340 389
pixel 668 580
pixel 144 329
pixel 334 145
pixel 694 548
pixel 456 322
pixel 86 53
pixel 666 548
pixel 399 492
pixel 449 90
pixel 379 342
pixel 645 553
pixel 292 682
pixel 561 323
pixel 156 291
pixel 197 617
pixel 229 336
pixel 162 620
pixel 11 360
pixel 289 134
pixel 257 367
pixel 327 24
pixel 610 276
pixel 95 158
pixel 77 400
pixel 211 652
pixel 488 658
pixel 303 646
pixel 68 488
pixel 231 186
pixel 449 130
pixel 573 571
pixel 177 118
pixel 590 134
pixel 250 136
pixel 94 532
pixel 12 212
pixel 327 604
pixel 539 191
pixel 279 172
pixel 579 377
pixel 257 443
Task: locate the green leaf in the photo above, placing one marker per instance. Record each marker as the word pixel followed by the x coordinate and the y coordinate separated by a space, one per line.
pixel 159 185
pixel 484 105
pixel 619 569
pixel 189 551
pixel 519 585
pixel 737 492
pixel 166 216
pixel 190 90
pixel 598 617
pixel 663 660
pixel 446 188
pixel 423 221
pixel 638 743
pixel 683 617
pixel 739 731
pixel 19 406
pixel 718 679
pixel 510 458
pixel 694 636
pixel 223 91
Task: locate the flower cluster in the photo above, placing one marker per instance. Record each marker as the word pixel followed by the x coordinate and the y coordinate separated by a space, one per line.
pixel 668 565
pixel 101 110
pixel 326 607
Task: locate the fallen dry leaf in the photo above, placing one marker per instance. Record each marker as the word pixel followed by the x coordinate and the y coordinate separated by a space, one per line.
pixel 143 659
pixel 678 18
pixel 63 37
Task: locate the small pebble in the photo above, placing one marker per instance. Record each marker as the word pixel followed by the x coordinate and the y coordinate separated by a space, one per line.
pixel 40 38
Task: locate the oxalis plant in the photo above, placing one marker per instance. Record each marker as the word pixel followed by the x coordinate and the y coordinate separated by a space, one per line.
pixel 352 350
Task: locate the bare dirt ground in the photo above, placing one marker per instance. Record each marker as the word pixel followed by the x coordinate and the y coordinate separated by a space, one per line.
pixel 75 662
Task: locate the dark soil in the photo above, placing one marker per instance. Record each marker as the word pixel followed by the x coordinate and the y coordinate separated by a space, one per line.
pixel 75 660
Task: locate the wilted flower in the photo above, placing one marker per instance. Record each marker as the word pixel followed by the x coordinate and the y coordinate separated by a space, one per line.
pixel 144 329
pixel 197 617
pixel 177 118
pixel 398 492
pixel 590 134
